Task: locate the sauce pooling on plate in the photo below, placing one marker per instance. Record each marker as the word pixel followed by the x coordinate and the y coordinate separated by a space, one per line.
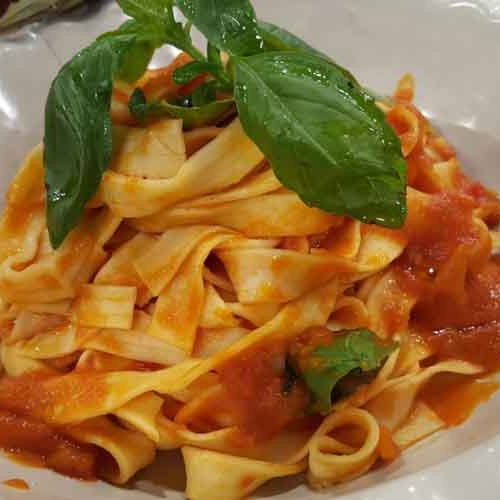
pixel 18 484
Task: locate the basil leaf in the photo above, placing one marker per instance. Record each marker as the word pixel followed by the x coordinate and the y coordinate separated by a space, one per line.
pixel 192 117
pixel 223 76
pixel 78 140
pixel 190 71
pixel 279 39
pixel 204 94
pixel 148 11
pixel 359 351
pixel 157 22
pixel 213 55
pixel 137 59
pixel 198 116
pixel 136 62
pixel 140 108
pixel 323 134
pixel 230 25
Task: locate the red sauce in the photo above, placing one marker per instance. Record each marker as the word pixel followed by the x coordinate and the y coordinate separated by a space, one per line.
pixel 435 228
pixel 54 450
pixel 18 484
pixel 26 458
pixel 457 310
pixel 254 393
pixel 37 395
pixel 387 449
pixel 470 329
pixel 26 405
pixel 483 198
pixel 461 318
pixel 454 397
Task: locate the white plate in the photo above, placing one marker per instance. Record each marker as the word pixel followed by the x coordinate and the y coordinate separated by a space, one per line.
pixel 453 49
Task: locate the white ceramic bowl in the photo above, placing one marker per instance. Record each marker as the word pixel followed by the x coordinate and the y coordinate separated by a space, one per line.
pixel 453 49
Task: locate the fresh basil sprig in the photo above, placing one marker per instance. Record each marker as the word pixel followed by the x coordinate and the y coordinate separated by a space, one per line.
pixel 321 131
pixel 357 352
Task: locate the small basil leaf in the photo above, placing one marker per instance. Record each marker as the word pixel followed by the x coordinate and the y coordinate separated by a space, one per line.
pixel 198 116
pixel 136 62
pixel 157 22
pixel 147 11
pixel 204 94
pixel 138 106
pixel 230 25
pixel 342 363
pixel 224 79
pixel 78 138
pixel 213 55
pixel 192 117
pixel 324 136
pixel 137 59
pixel 190 71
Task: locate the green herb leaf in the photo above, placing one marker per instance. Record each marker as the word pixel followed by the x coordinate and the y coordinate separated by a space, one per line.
pixel 358 351
pixel 156 20
pixel 279 39
pixel 221 73
pixel 136 62
pixel 78 139
pixel 148 11
pixel 213 55
pixel 204 94
pixel 230 25
pixel 193 117
pixel 323 134
pixel 198 116
pixel 190 71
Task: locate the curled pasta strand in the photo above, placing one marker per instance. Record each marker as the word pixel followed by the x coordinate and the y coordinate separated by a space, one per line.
pixel 330 460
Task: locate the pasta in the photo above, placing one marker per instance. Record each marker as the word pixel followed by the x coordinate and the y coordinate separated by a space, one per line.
pixel 169 316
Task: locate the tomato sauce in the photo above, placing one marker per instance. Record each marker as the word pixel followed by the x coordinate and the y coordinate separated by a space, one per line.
pixel 25 404
pixel 484 199
pixel 18 484
pixel 255 392
pixel 387 449
pixel 469 329
pixel 445 269
pixel 54 450
pixel 454 397
pixel 435 228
